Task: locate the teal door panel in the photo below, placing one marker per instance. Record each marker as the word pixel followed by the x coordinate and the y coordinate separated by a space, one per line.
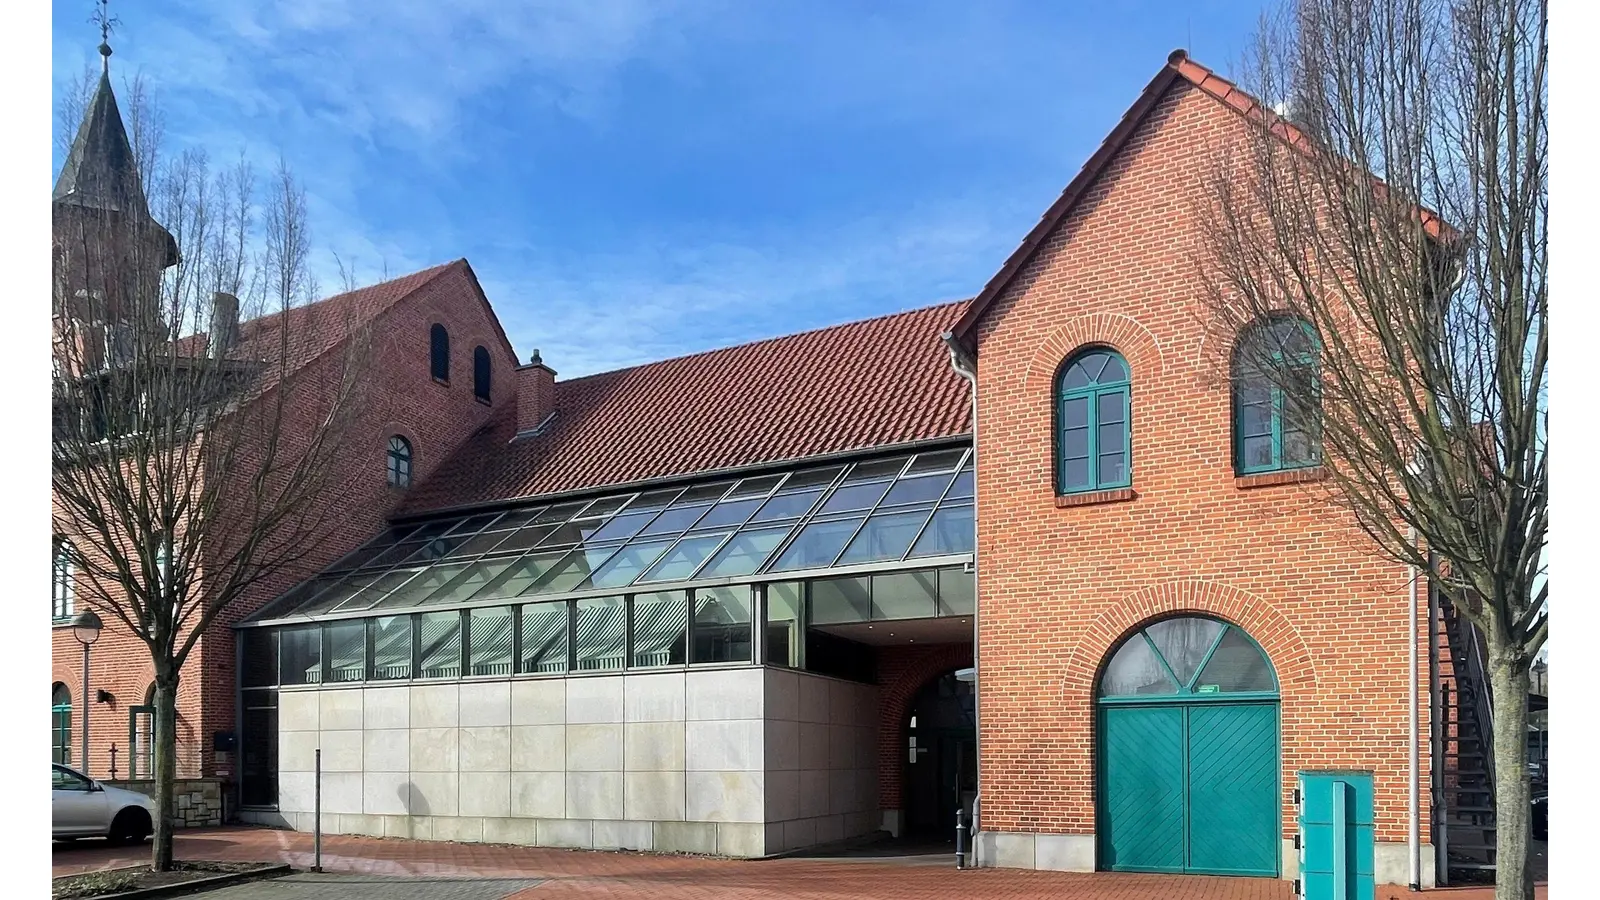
pixel 1233 789
pixel 1142 788
pixel 1337 836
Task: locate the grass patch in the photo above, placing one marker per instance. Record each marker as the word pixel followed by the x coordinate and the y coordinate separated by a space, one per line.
pixel 116 881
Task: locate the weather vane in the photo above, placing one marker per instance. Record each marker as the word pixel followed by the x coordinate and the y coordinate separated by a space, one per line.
pixel 107 22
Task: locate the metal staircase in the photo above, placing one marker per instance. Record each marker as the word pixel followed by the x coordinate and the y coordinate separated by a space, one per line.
pixel 1463 740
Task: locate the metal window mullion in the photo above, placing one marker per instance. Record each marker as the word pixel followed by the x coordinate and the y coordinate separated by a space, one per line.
pixel 466 642
pixel 937 504
pixel 1195 679
pixel 1160 657
pixel 868 517
pixel 806 517
pixel 713 554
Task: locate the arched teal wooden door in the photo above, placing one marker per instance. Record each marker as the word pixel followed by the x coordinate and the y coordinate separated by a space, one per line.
pixel 1188 752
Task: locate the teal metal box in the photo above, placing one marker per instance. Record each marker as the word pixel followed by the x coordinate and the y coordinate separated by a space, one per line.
pixel 1335 836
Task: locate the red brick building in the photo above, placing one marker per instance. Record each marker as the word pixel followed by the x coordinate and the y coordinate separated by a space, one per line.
pixel 729 602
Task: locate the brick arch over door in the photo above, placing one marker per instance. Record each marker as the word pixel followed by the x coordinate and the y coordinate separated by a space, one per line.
pixel 902 672
pixel 1122 333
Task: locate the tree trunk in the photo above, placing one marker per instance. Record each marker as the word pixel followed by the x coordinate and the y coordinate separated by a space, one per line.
pixel 166 769
pixel 1508 685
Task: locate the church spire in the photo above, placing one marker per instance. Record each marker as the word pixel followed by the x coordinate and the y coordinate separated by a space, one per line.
pixel 101 171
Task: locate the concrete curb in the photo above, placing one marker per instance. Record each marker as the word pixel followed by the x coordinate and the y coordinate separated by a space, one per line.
pixel 198 884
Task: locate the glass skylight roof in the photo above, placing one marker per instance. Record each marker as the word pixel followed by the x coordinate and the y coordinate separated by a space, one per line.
pixel 876 511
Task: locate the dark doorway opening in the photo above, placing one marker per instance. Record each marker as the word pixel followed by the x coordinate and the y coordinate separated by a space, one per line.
pixel 941 762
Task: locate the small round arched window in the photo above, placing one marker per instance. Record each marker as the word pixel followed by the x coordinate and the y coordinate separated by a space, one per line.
pixel 399 462
pixel 1187 655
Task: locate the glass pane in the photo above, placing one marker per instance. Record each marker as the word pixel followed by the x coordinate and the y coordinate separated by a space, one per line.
pixel 958 592
pixel 879 468
pixel 839 600
pixel 962 488
pixel 1113 469
pixel 1298 448
pixel 817 545
pixel 785 639
pixel 885 536
pixel 347 650
pixel 1076 376
pixel 1134 670
pixel 521 575
pixel 728 513
pixel 1184 642
pixel 483 542
pixel 675 520
pixel 745 552
pixel 685 557
pixel 949 532
pixel 1257 452
pixel 464 526
pixel 660 628
pixel 519 540
pixel 1075 412
pixel 391 646
pixel 516 518
pixel 489 639
pixel 1255 418
pixel 812 478
pixel 905 595
pixel 722 621
pixel 572 573
pixel 654 500
pixel 1111 438
pixel 849 497
pixel 624 526
pixel 1075 443
pixel 601 635
pixel 300 655
pixel 559 513
pixel 1114 371
pixel 439 640
pixel 259 668
pixel 941 461
pixel 544 637
pixel 604 506
pixel 623 568
pixel 917 490
pixel 334 593
pixel 704 492
pixel 1113 407
pixel 1238 665
pixel 1074 474
pixel 755 487
pixel 788 506
pixel 469 582
pixel 403 587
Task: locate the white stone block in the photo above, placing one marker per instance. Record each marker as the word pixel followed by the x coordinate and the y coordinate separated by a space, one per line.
pixel 594 795
pixel 414 828
pixel 842 797
pixel 340 709
pixel 1391 862
pixel 653 746
pixel 485 703
pixel 814 698
pixel 388 707
pixel 813 793
pixel 783 795
pixel 341 751
pixel 596 700
pixel 541 795
pixel 657 697
pixel 577 834
pixel 1009 850
pixel 297 750
pixel 842 702
pixel 725 694
pixel 461 829
pixel 486 748
pixel 814 748
pixel 484 794
pixel 386 750
pixel 782 701
pixel 386 794
pixel 295 792
pixel 434 793
pixel 1064 852
pixel 830 829
pixel 435 705
pixel 299 711
pixel 724 796
pixel 341 792
pixel 624 836
pixel 653 796
pixel 521 832
pixel 799 833
pixel 841 747
pixel 724 746
pixel 781 745
pixel 539 748
pixel 540 701
pixel 686 837
pixel 435 749
pixel 741 840
pixel 595 748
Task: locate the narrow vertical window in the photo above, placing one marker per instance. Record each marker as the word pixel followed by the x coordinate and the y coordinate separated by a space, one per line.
pixel 62 582
pixel 480 374
pixel 1093 437
pixel 399 462
pixel 60 724
pixel 439 352
pixel 1276 406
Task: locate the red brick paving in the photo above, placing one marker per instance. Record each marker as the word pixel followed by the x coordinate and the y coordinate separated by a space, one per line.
pixel 572 874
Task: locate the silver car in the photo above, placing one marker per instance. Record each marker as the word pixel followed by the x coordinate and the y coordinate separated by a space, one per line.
pixel 83 807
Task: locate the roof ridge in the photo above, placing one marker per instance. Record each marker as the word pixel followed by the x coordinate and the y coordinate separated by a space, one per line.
pixel 769 340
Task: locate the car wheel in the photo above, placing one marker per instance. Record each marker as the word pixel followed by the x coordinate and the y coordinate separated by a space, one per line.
pixel 131 826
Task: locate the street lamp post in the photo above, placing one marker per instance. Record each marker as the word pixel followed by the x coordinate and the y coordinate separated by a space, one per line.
pixel 86 628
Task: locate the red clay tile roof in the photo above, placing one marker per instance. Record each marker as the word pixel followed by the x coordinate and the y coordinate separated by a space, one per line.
pixel 1179 66
pixel 855 386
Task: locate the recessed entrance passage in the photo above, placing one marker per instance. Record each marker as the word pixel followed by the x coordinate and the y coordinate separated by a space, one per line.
pixel 941 757
pixel 1188 752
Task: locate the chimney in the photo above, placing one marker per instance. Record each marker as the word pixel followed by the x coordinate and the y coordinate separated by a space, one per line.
pixel 536 395
pixel 224 323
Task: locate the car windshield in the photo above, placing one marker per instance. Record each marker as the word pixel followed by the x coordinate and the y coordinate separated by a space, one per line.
pixel 67 780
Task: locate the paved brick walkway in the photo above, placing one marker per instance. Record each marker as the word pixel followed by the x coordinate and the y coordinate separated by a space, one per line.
pixel 583 874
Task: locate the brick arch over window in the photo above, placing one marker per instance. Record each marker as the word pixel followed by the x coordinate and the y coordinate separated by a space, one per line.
pixel 1271 629
pixel 902 672
pixel 1121 333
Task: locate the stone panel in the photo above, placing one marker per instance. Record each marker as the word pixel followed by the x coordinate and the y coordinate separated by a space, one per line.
pixel 541 701
pixel 723 746
pixel 485 703
pixel 435 705
pixel 386 750
pixel 341 751
pixel 484 794
pixel 299 711
pixel 434 793
pixel 657 697
pixel 540 795
pixel 595 700
pixel 340 709
pixel 723 796
pixel 388 707
pixel 486 748
pixel 594 795
pixel 539 748
pixel 653 796
pixel 434 750
pixel 624 836
pixel 385 793
pixel 724 694
pixel 653 746
pixel 594 748
pixel 686 837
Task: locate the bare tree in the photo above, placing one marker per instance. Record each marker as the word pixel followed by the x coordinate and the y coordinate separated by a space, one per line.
pixel 201 401
pixel 1374 260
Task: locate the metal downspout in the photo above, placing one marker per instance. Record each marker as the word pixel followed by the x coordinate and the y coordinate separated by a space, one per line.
pixel 1414 835
pixel 965 366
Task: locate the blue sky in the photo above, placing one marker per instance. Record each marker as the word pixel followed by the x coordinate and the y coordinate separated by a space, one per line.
pixel 638 179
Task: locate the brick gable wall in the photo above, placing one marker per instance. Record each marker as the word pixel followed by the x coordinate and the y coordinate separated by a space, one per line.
pixel 1061 584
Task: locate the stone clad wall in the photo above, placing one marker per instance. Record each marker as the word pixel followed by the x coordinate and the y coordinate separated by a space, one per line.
pixel 734 762
pixel 199 799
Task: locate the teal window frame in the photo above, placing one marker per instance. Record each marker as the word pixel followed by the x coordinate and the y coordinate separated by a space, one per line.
pixel 1185 690
pixel 1091 394
pixel 1279 400
pixel 61 724
pixel 63 581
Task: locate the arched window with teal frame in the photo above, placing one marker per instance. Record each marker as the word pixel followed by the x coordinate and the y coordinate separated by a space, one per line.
pixel 1276 400
pixel 60 724
pixel 1093 440
pixel 1187 657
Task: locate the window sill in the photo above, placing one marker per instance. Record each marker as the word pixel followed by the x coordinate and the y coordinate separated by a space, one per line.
pixel 61 622
pixel 1093 498
pixel 483 400
pixel 1286 476
pixel 442 382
